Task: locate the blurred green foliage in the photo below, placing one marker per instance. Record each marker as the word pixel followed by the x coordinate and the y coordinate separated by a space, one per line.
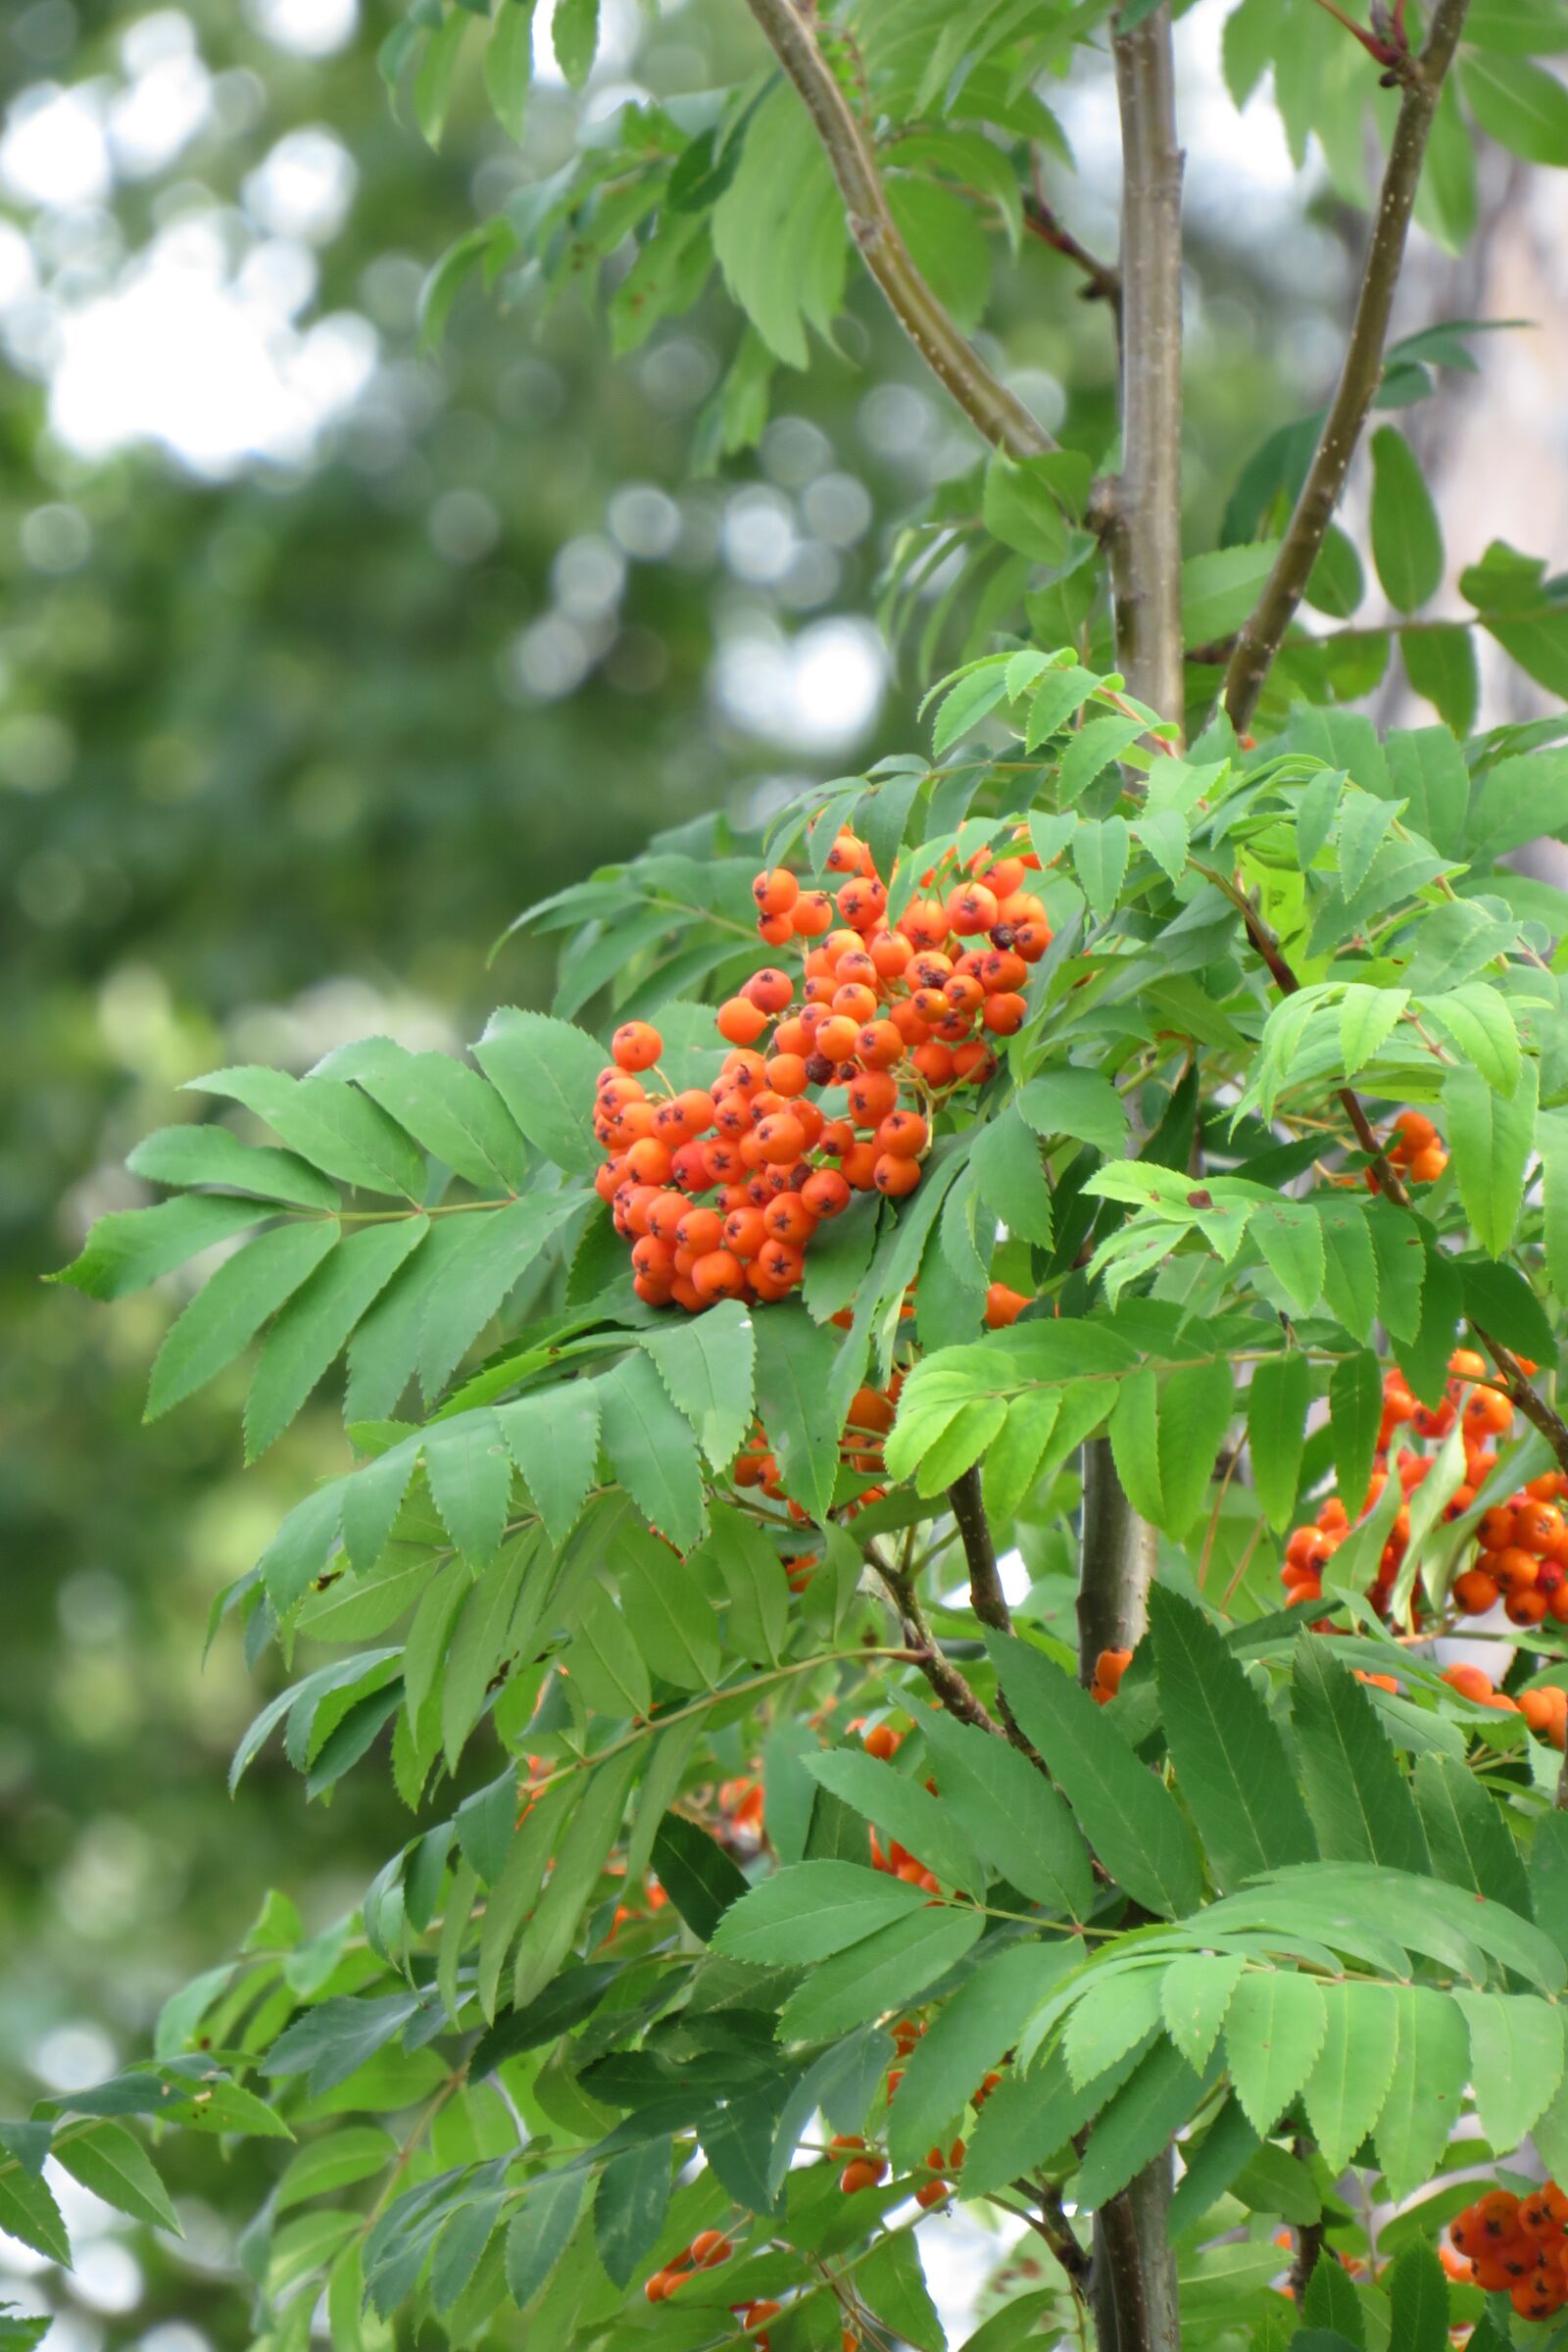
pixel 282 749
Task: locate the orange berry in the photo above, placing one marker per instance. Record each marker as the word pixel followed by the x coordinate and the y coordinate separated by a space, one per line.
pixel 1470 1682
pixel 741 1020
pixel 770 988
pixel 904 1134
pixel 1004 1013
pixel 873 1098
pixel 718 1274
pixel 882 1740
pixel 825 1194
pixel 775 892
pixel 880 1043
pixel 858 1167
pixel 894 1178
pixel 935 1063
pixel 864 2171
pixel 710 2247
pixel 1003 1306
pixel 835 1037
pixel 788 1219
pixel 971 908
pixel 1475 1591
pixel 787 1074
pixel 779 1138
pixel 636 1045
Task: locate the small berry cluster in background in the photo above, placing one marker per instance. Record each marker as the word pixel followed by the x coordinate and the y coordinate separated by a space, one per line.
pixel 1517 2247
pixel 1484 1414
pixel 1110 1667
pixel 719 1189
pixel 1417 1152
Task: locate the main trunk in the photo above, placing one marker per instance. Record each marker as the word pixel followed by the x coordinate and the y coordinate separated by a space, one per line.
pixel 1133 2284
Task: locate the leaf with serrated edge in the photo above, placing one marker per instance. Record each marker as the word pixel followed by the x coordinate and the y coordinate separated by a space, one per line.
pixel 1230 1762
pixel 1193 1998
pixel 1516 2060
pixel 1274 2030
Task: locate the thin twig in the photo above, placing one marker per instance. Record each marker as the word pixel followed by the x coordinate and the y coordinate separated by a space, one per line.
pixel 1264 632
pixel 996 413
pixel 1101 281
pixel 1516 1384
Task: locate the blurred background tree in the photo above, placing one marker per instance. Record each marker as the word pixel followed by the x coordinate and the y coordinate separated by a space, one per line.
pixel 322 653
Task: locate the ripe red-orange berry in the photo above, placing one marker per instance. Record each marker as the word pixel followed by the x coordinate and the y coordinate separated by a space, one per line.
pixel 636 1045
pixel 775 891
pixel 740 1020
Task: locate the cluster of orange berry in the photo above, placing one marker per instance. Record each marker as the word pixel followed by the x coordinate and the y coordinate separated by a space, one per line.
pixel 1110 1667
pixel 1518 2247
pixel 753 2314
pixel 707 2249
pixel 1483 1415
pixel 1418 1153
pixel 883 1013
pixel 1545 1709
pixel 1521 1556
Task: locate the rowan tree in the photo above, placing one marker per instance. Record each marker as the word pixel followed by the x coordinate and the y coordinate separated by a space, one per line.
pixel 1123 1139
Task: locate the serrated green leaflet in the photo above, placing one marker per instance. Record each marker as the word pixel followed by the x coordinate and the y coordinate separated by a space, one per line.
pixel 1012 1814
pixel 1229 1760
pixel 225 1316
pixel 1129 1817
pixel 1359 1800
pixel 1275 2029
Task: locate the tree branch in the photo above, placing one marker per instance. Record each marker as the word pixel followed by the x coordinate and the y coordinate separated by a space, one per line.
pixel 1133 2282
pixel 991 408
pixel 988 1601
pixel 1117 1564
pixel 1264 632
pixel 942 1676
pixel 1144 524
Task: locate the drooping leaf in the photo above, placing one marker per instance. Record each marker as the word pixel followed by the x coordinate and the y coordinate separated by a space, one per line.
pixel 1353 2073
pixel 1431 2052
pixel 707 1365
pixel 808 1910
pixel 225 1316
pixel 553 1437
pixel 1016 1819
pixel 545 1072
pixel 1516 2060
pixel 966 2037
pixel 1406 540
pixel 1359 1800
pixel 652 1449
pixel 795 1362
pixel 1230 1764
pixel 329 1124
pixel 1275 2029
pixel 314 1325
pixel 1128 1815
pixel 905 1810
pixel 1490 1142
pixel 1277 1400
pixel 885 1971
